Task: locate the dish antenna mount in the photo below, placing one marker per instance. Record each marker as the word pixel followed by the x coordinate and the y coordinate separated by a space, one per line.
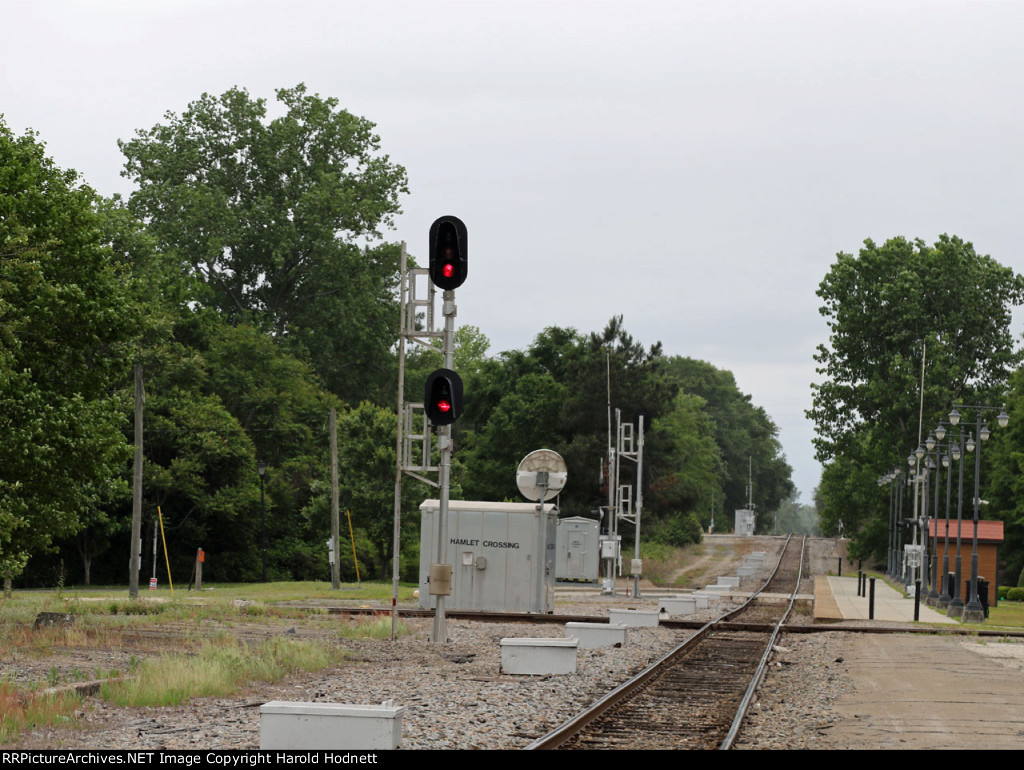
pixel 541 475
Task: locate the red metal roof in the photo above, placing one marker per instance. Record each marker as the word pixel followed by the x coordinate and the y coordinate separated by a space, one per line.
pixel 988 531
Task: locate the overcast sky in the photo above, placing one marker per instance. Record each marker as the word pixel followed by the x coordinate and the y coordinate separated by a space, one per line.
pixel 692 166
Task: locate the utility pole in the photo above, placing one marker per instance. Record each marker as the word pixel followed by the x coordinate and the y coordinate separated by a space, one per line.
pixel 335 507
pixel 135 558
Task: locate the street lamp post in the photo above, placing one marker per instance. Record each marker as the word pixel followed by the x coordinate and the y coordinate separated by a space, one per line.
pixel 930 537
pixel 261 469
pixel 974 612
pixel 938 457
pixel 891 478
pixel 956 603
pixel 952 454
pixel 898 552
pixel 919 476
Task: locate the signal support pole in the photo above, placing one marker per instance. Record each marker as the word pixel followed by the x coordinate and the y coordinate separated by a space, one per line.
pixel 396 534
pixel 639 507
pixel 444 442
pixel 442 403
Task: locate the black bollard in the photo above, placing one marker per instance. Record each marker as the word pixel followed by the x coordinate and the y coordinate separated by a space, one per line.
pixel 840 566
pixel 917 600
pixel 871 601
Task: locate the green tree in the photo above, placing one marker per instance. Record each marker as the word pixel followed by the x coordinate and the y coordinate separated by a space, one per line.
pixel 66 327
pixel 638 385
pixel 199 470
pixel 794 517
pixel 887 308
pixel 366 466
pixel 685 464
pixel 223 398
pixel 273 216
pixel 1002 474
pixel 527 418
pixel 746 437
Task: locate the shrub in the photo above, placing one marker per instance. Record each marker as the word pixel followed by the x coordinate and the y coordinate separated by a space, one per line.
pixel 677 529
pixel 1015 595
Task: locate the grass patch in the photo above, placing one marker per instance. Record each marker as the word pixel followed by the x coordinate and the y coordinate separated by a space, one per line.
pixel 1007 615
pixel 378 627
pixel 216 670
pixel 662 562
pixel 129 607
pixel 692 578
pixel 285 591
pixel 24 710
pixel 107 618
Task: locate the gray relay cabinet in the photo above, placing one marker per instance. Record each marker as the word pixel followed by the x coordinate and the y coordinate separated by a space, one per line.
pixel 502 555
pixel 745 519
pixel 579 549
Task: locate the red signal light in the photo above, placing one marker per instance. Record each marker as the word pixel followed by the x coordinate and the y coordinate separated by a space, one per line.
pixel 448 253
pixel 442 397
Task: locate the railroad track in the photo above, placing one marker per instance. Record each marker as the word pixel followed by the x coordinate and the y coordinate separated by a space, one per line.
pixel 697 695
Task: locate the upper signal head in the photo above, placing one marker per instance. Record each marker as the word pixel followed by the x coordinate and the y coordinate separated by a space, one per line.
pixel 448 262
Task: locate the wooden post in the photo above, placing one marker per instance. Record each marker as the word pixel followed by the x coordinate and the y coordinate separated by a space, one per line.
pixel 335 507
pixel 135 557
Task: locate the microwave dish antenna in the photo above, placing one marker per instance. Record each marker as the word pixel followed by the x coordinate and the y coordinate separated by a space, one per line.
pixel 541 475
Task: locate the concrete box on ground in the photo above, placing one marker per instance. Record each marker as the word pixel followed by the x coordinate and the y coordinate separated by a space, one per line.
pixel 502 555
pixel 579 549
pixel 633 618
pixel 537 657
pixel 678 605
pixel 325 726
pixel 592 635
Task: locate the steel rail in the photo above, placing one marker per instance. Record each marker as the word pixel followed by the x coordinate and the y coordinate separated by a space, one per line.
pixel 755 682
pixel 577 723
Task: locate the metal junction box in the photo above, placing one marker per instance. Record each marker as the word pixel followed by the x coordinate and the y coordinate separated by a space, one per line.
pixel 502 555
pixel 579 546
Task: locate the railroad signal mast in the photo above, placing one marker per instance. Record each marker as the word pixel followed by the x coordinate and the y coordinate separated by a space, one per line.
pixel 629 443
pixel 442 398
pixel 627 510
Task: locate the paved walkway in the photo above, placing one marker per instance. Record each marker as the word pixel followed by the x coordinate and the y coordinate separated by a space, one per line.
pixel 914 691
pixel 918 691
pixel 835 598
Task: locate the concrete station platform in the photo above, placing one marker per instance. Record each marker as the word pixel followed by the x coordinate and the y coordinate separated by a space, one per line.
pixel 835 598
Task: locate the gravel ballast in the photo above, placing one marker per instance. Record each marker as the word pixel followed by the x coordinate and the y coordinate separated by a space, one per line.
pixel 455 695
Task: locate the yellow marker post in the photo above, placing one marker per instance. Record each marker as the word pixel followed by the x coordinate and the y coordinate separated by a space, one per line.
pixel 166 558
pixel 348 514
